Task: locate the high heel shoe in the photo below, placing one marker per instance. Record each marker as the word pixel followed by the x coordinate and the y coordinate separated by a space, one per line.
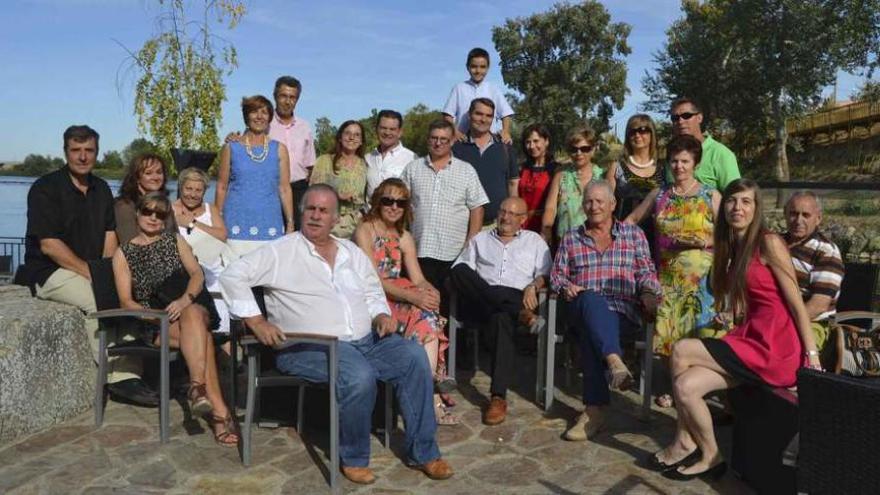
pixel 714 473
pixel 655 464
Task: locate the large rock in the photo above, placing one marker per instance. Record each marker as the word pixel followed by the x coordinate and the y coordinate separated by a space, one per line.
pixel 47 373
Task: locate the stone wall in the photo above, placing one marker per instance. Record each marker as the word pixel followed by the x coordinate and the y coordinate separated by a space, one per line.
pixel 47 373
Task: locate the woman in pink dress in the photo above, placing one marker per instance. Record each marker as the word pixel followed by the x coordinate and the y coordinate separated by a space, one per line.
pixel 414 302
pixel 754 280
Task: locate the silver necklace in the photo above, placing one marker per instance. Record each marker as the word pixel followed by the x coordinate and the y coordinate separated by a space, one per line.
pixel 686 191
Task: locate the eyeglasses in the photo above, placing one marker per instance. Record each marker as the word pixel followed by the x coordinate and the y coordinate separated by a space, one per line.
pixel 582 149
pixel 508 213
pixel 640 130
pixel 401 203
pixel 147 212
pixel 683 116
pixel 439 139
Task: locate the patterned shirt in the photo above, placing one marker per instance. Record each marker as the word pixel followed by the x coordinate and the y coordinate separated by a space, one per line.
pixel 621 273
pixel 442 201
pixel 819 268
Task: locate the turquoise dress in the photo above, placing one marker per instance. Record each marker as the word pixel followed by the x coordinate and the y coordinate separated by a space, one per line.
pixel 252 210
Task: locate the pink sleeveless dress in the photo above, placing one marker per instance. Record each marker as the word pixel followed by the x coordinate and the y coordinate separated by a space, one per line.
pixel 767 341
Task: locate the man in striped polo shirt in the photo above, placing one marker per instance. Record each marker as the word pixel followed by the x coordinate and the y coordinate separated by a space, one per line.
pixel 816 259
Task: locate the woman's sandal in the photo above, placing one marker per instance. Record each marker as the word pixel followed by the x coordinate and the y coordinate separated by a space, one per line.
pixel 664 401
pixel 444 416
pixel 447 399
pixel 227 436
pixel 198 399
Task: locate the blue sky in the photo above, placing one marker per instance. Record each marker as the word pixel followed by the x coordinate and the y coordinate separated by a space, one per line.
pixel 61 59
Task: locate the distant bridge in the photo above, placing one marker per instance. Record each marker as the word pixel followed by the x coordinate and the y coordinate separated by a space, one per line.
pixel 842 118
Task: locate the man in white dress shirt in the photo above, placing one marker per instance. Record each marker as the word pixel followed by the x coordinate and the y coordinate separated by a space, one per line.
pixel 501 271
pixel 317 283
pixel 390 157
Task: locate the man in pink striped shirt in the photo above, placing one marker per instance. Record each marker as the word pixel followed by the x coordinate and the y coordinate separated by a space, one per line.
pixel 296 134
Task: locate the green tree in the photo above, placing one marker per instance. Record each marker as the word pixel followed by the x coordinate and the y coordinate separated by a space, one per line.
pixel 112 160
pixel 36 165
pixel 325 136
pixel 137 146
pixel 752 64
pixel 868 92
pixel 180 90
pixel 415 128
pixel 566 65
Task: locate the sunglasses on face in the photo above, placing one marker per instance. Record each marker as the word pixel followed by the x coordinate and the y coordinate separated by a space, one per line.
pixel 640 130
pixel 683 116
pixel 401 203
pixel 160 214
pixel 582 149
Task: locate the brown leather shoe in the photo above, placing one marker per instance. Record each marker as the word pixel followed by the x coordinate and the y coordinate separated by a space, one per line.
pixel 359 475
pixel 496 412
pixel 438 469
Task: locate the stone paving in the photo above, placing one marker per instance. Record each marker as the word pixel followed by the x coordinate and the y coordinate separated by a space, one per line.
pixel 524 455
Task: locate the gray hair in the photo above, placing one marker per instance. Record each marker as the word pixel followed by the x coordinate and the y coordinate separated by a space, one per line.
pixel 804 194
pixel 599 184
pixel 319 188
pixel 192 174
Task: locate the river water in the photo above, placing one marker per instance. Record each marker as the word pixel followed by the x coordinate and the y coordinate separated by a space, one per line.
pixel 13 202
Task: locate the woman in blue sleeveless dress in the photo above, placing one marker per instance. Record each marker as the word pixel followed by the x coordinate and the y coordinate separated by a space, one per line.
pixel 253 183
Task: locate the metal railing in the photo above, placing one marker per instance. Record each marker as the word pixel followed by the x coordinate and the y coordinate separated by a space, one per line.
pixel 11 256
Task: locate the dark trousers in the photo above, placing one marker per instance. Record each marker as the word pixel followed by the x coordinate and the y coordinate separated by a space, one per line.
pixel 299 188
pixel 436 272
pixel 498 307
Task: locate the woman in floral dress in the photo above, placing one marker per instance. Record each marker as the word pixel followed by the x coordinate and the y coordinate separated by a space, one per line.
pixel 414 302
pixel 684 218
pixel 346 171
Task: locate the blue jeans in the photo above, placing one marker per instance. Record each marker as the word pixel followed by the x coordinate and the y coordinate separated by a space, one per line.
pixel 398 361
pixel 598 331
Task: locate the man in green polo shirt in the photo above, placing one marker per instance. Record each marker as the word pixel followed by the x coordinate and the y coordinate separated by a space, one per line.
pixel 718 166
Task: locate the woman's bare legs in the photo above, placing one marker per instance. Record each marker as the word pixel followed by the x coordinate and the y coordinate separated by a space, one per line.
pixel 694 373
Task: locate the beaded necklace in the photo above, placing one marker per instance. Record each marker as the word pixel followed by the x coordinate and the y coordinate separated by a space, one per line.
pixel 261 156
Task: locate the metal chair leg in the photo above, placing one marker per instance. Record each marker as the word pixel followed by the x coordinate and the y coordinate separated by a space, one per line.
pixel 300 408
pixel 164 382
pixel 647 371
pixel 249 409
pixel 389 406
pixel 453 334
pixel 101 379
pixel 334 420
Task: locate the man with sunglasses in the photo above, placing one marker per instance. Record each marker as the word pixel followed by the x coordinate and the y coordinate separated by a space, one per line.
pixel 71 222
pixel 500 272
pixel 718 166
pixel 493 159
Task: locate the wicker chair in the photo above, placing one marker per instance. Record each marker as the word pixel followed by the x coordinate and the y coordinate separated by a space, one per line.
pixel 839 428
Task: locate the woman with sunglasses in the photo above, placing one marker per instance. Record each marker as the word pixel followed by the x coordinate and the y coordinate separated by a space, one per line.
pixel 346 171
pixel 157 269
pixel 253 182
pixel 754 279
pixel 563 206
pixel 536 174
pixel 414 302
pixel 684 215
pixel 146 173
pixel 638 172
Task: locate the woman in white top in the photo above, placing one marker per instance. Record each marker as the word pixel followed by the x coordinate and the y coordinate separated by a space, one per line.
pixel 195 217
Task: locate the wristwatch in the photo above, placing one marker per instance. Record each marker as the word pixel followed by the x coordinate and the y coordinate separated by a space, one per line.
pixel 190 227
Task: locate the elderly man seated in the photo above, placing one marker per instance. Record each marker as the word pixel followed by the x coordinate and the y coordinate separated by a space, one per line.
pixel 604 269
pixel 321 284
pixel 501 270
pixel 816 259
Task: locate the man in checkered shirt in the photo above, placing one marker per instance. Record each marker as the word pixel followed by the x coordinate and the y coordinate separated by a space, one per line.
pixel 447 202
pixel 604 269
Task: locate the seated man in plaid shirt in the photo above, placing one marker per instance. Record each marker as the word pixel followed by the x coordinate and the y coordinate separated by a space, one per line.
pixel 605 270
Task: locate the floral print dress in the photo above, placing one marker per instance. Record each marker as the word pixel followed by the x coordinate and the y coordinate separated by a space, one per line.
pixel 686 307
pixel 414 322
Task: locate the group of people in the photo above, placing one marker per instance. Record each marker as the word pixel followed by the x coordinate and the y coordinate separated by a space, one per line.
pixel 368 248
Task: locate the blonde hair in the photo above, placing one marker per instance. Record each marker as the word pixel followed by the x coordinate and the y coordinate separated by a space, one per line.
pixel 192 174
